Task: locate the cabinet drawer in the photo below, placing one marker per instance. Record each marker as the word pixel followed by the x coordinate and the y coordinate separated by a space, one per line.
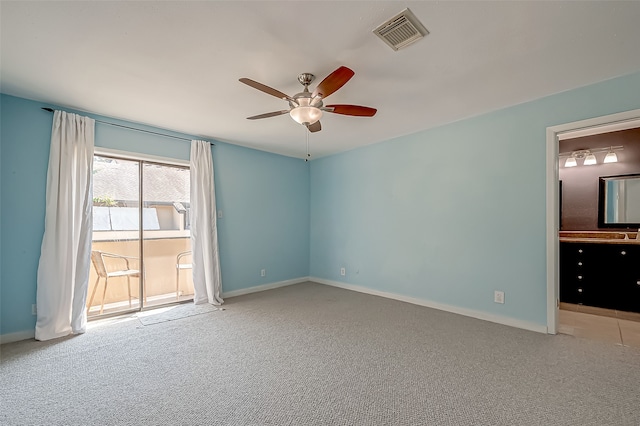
pixel 572 294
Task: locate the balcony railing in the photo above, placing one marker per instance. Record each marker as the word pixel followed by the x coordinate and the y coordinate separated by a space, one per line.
pixel 164 281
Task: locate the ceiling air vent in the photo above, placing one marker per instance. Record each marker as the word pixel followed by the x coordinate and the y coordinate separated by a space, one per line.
pixel 401 30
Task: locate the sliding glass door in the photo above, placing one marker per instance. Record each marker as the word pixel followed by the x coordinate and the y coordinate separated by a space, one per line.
pixel 115 278
pixel 166 237
pixel 141 240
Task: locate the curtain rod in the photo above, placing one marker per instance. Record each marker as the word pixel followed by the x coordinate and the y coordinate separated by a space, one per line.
pixel 137 130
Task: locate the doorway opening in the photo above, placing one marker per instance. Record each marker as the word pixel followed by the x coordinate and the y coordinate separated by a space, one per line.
pixel 595 126
pixel 141 243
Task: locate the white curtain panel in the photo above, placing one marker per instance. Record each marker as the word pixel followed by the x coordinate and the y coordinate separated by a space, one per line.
pixel 207 279
pixel 63 271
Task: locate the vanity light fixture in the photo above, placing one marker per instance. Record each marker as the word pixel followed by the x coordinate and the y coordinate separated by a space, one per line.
pixel 589 156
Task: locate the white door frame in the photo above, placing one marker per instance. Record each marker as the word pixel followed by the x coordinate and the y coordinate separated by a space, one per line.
pixel 553 133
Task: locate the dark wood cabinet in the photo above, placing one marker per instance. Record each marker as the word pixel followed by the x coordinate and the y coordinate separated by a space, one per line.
pixel 600 274
pixel 627 261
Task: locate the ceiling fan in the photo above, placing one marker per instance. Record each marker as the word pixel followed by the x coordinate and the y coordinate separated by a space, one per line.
pixel 306 107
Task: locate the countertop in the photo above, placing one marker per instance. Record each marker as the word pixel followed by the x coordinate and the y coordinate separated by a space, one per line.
pixel 598 241
pixel 599 237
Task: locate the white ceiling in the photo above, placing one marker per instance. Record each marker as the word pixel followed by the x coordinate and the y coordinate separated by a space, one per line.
pixel 176 65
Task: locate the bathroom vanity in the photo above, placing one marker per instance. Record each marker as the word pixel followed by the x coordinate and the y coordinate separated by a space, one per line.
pixel 600 269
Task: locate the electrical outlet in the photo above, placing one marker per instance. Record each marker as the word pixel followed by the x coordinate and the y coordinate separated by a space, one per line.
pixel 263 272
pixel 498 296
pixel 219 214
pixel 343 271
pixel 34 309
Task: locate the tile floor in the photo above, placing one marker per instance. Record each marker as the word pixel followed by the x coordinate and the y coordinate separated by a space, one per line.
pixel 620 328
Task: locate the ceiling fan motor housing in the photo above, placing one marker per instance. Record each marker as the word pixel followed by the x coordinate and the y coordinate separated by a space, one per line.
pixel 305 99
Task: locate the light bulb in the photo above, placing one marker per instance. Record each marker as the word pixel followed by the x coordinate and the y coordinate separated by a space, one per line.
pixel 571 162
pixel 611 157
pixel 590 160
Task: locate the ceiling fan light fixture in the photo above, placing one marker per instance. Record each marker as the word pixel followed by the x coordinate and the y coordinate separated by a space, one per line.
pixel 306 114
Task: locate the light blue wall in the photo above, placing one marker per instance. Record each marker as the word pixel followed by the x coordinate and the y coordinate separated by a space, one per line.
pixel 264 199
pixel 451 214
pixel 447 215
pixel 25 129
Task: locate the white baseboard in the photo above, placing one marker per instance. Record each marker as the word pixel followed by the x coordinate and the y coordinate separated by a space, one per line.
pixel 263 287
pixel 17 336
pixel 526 325
pixel 30 334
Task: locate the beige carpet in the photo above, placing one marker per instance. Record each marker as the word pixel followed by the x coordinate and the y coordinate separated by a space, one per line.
pixel 316 355
pixel 175 312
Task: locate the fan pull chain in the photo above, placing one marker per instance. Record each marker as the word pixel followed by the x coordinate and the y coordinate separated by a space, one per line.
pixel 307 134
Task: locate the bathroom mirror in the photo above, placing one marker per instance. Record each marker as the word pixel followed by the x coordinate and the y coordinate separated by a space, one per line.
pixel 619 201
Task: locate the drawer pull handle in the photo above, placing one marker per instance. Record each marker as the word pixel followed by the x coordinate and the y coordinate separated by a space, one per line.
pixel 623 252
pixel 579 277
pixel 579 263
pixel 579 290
pixel 580 251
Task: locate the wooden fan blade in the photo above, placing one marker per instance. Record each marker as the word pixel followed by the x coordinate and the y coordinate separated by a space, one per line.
pixel 315 127
pixel 266 89
pixel 333 82
pixel 360 111
pixel 269 114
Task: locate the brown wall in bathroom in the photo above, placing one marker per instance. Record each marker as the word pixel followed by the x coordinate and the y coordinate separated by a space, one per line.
pixel 580 184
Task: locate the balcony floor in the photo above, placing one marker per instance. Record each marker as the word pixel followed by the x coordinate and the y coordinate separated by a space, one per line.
pixel 123 306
